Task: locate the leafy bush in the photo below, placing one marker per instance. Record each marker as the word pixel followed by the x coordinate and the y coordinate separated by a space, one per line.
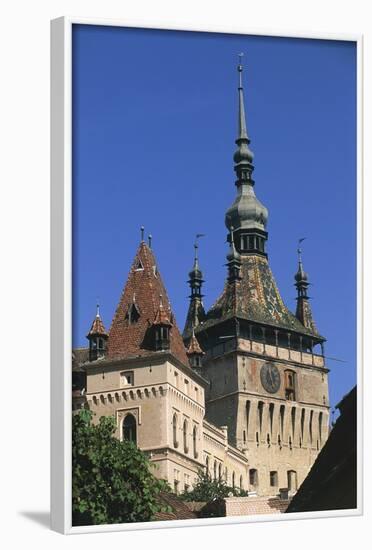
pixel 207 489
pixel 111 480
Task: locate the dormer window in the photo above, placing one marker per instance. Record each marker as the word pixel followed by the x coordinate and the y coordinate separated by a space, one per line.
pixel 138 266
pixel 133 314
pixel 126 378
pixel 161 337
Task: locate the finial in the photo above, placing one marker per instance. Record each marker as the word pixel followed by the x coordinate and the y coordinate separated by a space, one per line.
pixel 142 233
pixel 97 309
pixel 240 69
pixel 150 240
pixel 299 250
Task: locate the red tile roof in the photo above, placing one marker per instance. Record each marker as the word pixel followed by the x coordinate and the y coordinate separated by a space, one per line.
pixel 97 327
pixel 194 346
pixel 143 288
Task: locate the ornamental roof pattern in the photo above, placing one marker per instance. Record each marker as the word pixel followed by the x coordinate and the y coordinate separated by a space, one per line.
pixel 256 298
pixel 144 289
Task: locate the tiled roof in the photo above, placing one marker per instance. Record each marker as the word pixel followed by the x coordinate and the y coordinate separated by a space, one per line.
pixel 194 346
pixel 79 356
pixel 255 297
pixel 97 327
pixel 132 338
pixel 178 508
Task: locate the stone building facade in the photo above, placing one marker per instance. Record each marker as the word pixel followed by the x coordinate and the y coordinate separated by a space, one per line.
pixel 243 392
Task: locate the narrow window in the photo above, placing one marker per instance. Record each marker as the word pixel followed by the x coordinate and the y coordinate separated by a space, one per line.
pixel 292 480
pixel 282 411
pixel 289 384
pixel 244 437
pixel 207 464
pixel 273 479
pixel 271 415
pixel 293 420
pixel 233 480
pixel 248 410
pixel 130 429
pixel 241 482
pixel 320 421
pixel 185 447
pixel 302 423
pixel 253 477
pixel 194 437
pixel 260 414
pixel 174 427
pixel 215 470
pixel 220 471
pixel 311 426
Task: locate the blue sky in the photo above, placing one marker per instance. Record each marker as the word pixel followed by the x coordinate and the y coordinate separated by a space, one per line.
pixel 154 124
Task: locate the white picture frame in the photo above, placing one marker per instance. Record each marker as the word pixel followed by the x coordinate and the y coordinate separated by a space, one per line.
pixel 61 270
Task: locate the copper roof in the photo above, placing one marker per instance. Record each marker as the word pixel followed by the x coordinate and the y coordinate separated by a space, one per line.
pixel 145 289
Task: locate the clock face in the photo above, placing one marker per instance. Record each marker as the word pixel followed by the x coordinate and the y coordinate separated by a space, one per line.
pixel 270 377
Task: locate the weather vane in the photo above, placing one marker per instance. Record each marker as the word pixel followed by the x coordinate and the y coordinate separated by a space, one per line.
pixel 298 246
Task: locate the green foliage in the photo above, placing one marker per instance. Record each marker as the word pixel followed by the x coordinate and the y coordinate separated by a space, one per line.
pixel 207 489
pixel 111 480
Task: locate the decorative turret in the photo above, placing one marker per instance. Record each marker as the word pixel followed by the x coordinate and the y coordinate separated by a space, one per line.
pixel 97 337
pixel 194 351
pixel 162 326
pixel 247 215
pixel 233 260
pixel 303 309
pixel 196 313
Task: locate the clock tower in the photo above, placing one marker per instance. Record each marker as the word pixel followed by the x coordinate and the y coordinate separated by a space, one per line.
pixel 268 382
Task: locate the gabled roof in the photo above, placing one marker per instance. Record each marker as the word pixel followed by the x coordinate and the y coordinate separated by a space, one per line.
pixel 145 289
pixel 255 297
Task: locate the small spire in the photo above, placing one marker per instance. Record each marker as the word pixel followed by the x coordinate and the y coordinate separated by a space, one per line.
pixel 142 233
pixel 242 123
pixel 233 260
pixel 150 240
pixel 97 311
pixel 303 309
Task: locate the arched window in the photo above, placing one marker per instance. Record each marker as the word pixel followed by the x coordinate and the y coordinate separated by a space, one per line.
pixel 271 415
pixel 215 470
pixel 130 429
pixel 233 480
pixel 174 428
pixel 185 447
pixel 281 413
pixel 207 465
pixel 260 415
pixel 220 471
pixel 194 438
pixel 241 482
pixel 293 420
pixel 311 426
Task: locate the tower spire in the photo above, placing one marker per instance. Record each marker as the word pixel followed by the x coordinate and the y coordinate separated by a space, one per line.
pixel 247 215
pixel 243 156
pixel 303 309
pixel 196 311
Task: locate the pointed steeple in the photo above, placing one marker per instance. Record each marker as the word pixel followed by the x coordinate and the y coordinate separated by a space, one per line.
pixel 233 260
pixel 196 313
pixel 194 351
pixel 243 156
pixel 141 334
pixel 247 215
pixel 97 337
pixel 303 309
